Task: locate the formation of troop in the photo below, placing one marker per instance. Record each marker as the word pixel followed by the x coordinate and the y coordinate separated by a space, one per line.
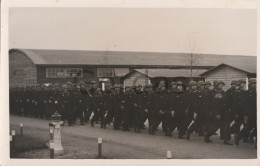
pixel 199 107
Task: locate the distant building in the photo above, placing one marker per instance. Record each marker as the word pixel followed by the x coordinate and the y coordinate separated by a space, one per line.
pixel 154 76
pixel 227 73
pixel 34 66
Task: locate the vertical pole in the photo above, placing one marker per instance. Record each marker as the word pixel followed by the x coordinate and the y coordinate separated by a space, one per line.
pixel 51 150
pixel 246 83
pixel 13 138
pixel 51 133
pixel 11 146
pixel 169 154
pixel 99 147
pixel 21 126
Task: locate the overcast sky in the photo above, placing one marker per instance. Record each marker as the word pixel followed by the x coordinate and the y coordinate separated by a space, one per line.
pixel 216 31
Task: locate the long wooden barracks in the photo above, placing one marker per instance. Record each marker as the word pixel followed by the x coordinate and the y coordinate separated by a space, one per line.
pixel 34 66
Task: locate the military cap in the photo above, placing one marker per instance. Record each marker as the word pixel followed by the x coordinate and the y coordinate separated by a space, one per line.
pixel 252 80
pixel 179 83
pixel 220 82
pixel 191 83
pixel 234 82
pixel 241 81
pixel 208 83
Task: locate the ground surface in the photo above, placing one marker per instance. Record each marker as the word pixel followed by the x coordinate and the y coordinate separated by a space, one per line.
pixel 80 141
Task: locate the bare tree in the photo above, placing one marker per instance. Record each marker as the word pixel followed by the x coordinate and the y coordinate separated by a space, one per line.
pixel 193 59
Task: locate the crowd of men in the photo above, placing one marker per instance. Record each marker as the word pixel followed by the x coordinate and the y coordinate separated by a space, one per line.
pixel 199 107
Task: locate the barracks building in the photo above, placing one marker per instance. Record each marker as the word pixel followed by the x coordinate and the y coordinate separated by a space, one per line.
pixel 34 66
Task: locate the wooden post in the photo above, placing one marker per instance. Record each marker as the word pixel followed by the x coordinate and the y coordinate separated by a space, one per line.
pixel 99 147
pixel 21 126
pixel 51 150
pixel 169 154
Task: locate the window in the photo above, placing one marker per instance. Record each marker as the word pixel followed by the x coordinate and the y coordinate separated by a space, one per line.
pixel 105 72
pixel 63 72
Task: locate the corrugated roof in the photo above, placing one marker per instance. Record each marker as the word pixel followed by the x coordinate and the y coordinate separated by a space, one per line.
pixel 79 57
pixel 152 73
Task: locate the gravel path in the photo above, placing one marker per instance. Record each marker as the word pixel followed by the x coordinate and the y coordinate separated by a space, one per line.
pixel 81 142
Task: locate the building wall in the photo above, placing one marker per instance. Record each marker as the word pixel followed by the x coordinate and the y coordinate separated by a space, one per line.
pixel 136 78
pixel 89 74
pixel 227 74
pixel 22 70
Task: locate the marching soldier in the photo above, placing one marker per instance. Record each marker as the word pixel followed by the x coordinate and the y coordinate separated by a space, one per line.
pixel 178 110
pixel 218 112
pixel 161 106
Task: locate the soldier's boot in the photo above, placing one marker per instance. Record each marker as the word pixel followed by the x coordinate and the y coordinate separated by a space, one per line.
pixel 92 123
pixel 226 142
pixel 206 139
pixel 188 135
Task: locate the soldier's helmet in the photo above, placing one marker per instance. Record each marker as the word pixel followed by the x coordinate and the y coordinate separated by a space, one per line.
pixel 200 83
pixel 81 83
pixel 252 80
pixel 234 82
pixel 208 83
pixel 179 83
pixel 191 83
pixel 64 86
pixel 219 82
pixel 93 82
pixel 69 84
pixel 241 81
pixel 173 83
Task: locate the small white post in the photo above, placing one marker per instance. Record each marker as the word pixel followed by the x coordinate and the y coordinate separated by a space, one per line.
pixel 99 147
pixel 169 154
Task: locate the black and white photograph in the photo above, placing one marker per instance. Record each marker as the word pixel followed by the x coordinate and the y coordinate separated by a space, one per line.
pixel 132 83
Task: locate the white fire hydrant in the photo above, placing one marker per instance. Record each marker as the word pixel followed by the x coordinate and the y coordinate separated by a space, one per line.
pixel 55 125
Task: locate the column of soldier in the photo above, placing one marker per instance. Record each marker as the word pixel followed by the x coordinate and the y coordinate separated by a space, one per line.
pixel 198 107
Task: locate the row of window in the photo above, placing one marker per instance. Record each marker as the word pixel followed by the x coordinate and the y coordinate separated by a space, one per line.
pixel 63 72
pixel 78 72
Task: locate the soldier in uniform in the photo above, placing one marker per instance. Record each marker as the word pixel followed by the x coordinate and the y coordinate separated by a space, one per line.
pixel 218 112
pixel 108 102
pixel 161 106
pixel 137 112
pixel 178 109
pixel 252 115
pixel 197 106
pixel 247 108
pixel 128 107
